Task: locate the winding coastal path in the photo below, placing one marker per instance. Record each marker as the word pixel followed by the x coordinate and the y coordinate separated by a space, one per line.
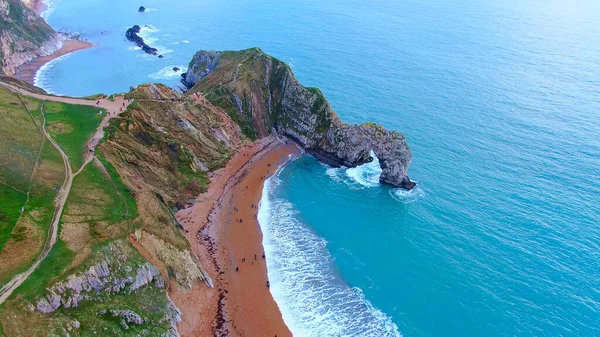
pixel 113 109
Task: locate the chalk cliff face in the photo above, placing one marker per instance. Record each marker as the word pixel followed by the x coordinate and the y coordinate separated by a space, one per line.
pixel 23 36
pixel 263 96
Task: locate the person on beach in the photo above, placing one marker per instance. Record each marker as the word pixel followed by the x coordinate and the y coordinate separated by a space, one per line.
pixel 237 268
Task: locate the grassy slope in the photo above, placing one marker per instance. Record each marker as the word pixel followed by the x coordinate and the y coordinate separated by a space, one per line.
pixel 11 202
pixel 21 149
pixel 162 154
pixel 146 169
pixel 72 126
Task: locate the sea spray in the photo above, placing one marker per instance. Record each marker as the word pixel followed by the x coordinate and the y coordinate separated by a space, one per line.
pixel 50 5
pixel 313 298
pixel 168 72
pixel 362 176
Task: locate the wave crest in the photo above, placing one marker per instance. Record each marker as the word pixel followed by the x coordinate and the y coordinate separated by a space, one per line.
pixel 313 298
pixel 366 175
pixel 167 73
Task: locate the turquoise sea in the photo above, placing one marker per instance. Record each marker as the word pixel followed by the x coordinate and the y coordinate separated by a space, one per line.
pixel 500 102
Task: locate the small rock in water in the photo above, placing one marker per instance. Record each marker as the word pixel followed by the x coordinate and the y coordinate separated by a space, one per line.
pixel 175 69
pixel 160 56
pixel 142 9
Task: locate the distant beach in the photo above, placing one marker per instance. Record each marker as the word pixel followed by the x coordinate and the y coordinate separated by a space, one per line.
pixel 27 71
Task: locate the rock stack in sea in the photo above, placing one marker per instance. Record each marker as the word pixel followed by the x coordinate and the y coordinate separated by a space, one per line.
pixel 132 35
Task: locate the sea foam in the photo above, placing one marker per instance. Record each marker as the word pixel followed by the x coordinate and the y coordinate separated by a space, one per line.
pixel 406 196
pixel 313 297
pixel 362 176
pixel 167 73
pixel 50 5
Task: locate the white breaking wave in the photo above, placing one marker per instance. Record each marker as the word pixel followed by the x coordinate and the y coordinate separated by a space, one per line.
pixel 50 5
pixel 146 33
pixel 41 79
pixel 366 175
pixel 407 197
pixel 167 73
pixel 313 298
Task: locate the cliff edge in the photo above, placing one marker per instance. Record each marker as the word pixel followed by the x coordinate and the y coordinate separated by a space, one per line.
pixel 24 36
pixel 261 93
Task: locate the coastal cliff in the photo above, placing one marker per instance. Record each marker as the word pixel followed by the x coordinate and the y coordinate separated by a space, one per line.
pixel 24 36
pixel 262 94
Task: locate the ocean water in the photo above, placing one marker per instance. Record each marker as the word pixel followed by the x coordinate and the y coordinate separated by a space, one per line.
pixel 500 102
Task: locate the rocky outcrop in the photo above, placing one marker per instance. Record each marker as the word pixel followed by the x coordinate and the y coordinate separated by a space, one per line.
pixel 204 62
pixel 115 274
pixel 23 36
pixel 182 264
pixel 262 94
pixel 132 35
pixel 142 9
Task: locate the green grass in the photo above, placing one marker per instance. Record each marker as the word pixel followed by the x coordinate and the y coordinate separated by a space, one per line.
pixel 39 209
pixel 94 97
pixel 149 302
pixel 20 140
pixel 11 202
pixel 80 122
pixel 2 333
pixel 125 191
pixel 93 179
pixel 51 267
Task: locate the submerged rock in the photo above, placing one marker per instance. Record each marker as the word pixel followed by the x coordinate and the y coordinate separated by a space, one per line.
pixel 176 69
pixel 270 100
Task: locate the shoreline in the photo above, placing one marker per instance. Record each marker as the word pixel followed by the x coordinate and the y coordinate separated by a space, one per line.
pixel 240 303
pixel 28 71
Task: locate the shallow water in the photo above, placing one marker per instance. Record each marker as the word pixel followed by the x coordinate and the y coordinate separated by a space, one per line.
pixel 500 103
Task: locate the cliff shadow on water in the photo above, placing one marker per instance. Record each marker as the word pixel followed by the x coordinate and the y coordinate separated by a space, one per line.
pixel 262 94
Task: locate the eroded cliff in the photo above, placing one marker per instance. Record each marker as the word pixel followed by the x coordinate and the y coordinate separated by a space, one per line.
pixel 261 93
pixel 23 36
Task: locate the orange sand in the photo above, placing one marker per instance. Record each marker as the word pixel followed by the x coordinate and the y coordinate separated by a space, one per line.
pixel 239 304
pixel 27 71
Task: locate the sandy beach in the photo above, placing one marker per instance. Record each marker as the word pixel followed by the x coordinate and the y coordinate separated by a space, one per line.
pixel 27 71
pixel 226 237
